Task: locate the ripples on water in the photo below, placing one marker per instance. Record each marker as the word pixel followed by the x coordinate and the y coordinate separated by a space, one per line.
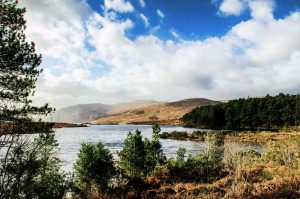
pixel 113 137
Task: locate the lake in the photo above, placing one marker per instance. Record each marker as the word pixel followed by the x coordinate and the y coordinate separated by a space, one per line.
pixel 113 137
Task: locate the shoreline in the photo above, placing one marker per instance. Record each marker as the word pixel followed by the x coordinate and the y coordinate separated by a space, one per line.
pixel 57 125
pixel 261 137
pixel 139 123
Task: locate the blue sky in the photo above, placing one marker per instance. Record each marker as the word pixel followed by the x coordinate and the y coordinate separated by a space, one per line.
pixel 111 51
pixel 195 19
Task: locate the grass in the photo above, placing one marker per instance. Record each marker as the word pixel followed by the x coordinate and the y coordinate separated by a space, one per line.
pixel 273 173
pixel 261 137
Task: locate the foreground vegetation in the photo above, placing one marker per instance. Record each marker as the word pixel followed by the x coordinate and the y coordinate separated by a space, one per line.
pixel 223 170
pixel 267 113
pixel 140 160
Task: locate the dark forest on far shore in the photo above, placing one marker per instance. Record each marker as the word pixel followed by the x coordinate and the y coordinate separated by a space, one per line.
pixel 266 113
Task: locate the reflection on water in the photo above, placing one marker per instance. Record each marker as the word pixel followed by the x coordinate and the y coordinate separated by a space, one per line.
pixel 113 136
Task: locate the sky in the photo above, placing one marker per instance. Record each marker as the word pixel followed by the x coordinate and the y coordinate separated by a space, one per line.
pixel 110 51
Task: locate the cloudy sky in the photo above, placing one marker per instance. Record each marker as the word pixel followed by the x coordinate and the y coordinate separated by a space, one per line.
pixel 111 51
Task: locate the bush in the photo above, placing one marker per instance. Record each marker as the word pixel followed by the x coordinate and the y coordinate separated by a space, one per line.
pixel 180 156
pixel 139 157
pixel 51 185
pixel 200 168
pixel 50 182
pixel 33 170
pixel 284 153
pixel 176 135
pixel 153 148
pixel 236 155
pixel 133 155
pixel 216 149
pixel 94 167
pixel 247 157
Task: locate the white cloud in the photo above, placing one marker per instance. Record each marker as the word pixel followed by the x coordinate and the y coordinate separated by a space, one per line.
pixel 89 58
pixel 142 3
pixel 145 19
pixel 262 9
pixel 160 14
pixel 119 5
pixel 58 31
pixel 271 42
pixel 232 7
pixel 174 34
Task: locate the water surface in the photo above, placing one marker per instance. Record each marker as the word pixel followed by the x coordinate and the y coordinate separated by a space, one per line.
pixel 113 136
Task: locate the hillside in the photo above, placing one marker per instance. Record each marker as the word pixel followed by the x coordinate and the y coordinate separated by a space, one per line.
pixel 163 113
pixel 86 112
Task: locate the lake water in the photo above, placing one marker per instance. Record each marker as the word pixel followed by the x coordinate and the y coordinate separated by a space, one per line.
pixel 113 136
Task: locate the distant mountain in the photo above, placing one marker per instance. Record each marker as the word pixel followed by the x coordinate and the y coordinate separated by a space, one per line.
pixel 163 113
pixel 127 106
pixel 87 112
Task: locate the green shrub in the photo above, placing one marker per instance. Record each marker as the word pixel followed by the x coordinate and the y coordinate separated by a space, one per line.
pixel 94 167
pixel 50 181
pixel 33 170
pixel 176 135
pixel 203 167
pixel 180 156
pixel 133 155
pixel 193 169
pixel 139 157
pixel 51 185
pixel 248 156
pixel 216 149
pixel 164 135
pixel 153 148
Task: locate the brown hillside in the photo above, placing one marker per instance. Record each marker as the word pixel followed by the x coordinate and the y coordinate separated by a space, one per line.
pixel 163 113
pixel 86 112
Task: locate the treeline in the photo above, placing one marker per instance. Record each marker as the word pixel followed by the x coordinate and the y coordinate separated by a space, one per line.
pixel 252 113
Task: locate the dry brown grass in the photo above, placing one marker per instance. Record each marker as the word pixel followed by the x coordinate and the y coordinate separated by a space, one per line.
pixel 163 113
pixel 286 187
pixel 254 182
pixel 262 137
pixel 260 177
pixel 268 176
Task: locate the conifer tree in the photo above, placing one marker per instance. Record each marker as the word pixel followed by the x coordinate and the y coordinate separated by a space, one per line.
pixel 18 71
pixel 94 167
pixel 133 155
pixel 139 157
pixel 25 164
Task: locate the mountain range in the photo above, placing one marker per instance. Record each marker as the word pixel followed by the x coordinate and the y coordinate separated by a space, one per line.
pixel 136 112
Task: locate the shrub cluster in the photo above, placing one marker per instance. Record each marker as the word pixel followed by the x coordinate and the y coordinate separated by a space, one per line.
pixel 95 170
pixel 203 167
pixel 273 173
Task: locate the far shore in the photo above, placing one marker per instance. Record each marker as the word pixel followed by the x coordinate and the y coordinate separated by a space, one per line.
pixel 236 136
pixel 67 125
pixel 162 122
